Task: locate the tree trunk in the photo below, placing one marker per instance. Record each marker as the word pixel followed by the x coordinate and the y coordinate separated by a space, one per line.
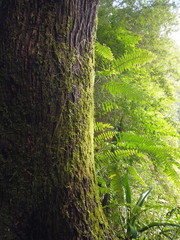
pixel 48 187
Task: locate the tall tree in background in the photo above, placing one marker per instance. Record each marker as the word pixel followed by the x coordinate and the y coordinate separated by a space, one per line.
pixel 47 177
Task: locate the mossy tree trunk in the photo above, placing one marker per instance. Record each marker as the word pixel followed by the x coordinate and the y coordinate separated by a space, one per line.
pixel 48 187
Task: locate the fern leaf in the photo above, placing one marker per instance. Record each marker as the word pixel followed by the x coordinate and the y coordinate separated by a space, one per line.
pixel 132 91
pixel 118 188
pixel 104 51
pixel 171 172
pixel 130 60
pixel 134 174
pixel 108 106
pixel 105 136
pixel 111 155
pixel 100 126
pixel 125 153
pixel 127 189
pixel 162 155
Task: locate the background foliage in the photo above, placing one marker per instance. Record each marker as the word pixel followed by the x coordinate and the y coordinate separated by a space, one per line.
pixel 137 129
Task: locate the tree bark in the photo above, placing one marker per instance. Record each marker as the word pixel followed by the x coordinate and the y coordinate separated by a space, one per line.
pixel 48 187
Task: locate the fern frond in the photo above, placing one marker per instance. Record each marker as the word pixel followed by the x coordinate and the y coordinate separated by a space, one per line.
pixel 105 136
pixel 110 155
pixel 125 153
pixel 104 51
pixel 100 126
pixel 171 172
pixel 117 155
pixel 162 155
pixel 127 188
pixel 158 149
pixel 122 88
pixel 134 140
pixel 134 174
pixel 128 61
pixel 108 106
pixel 118 188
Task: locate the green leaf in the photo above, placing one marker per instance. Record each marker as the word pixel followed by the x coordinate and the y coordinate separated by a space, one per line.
pixel 136 175
pixel 158 224
pixel 132 230
pixel 104 51
pixel 130 60
pixel 127 189
pixel 143 198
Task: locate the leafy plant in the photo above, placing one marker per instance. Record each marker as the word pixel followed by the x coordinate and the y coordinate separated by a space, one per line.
pixel 132 223
pixel 137 135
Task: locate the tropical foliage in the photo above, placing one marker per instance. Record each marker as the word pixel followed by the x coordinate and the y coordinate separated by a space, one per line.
pixel 137 130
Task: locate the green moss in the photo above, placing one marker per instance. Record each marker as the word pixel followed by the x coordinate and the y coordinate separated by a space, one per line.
pixel 53 116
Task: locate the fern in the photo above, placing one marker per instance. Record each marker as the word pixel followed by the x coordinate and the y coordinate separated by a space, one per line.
pixel 118 155
pixel 100 126
pixel 172 173
pixel 136 176
pixel 161 154
pixel 108 106
pixel 104 51
pixel 130 90
pixel 117 187
pixel 127 189
pixel 128 61
pixel 135 140
pixel 102 137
